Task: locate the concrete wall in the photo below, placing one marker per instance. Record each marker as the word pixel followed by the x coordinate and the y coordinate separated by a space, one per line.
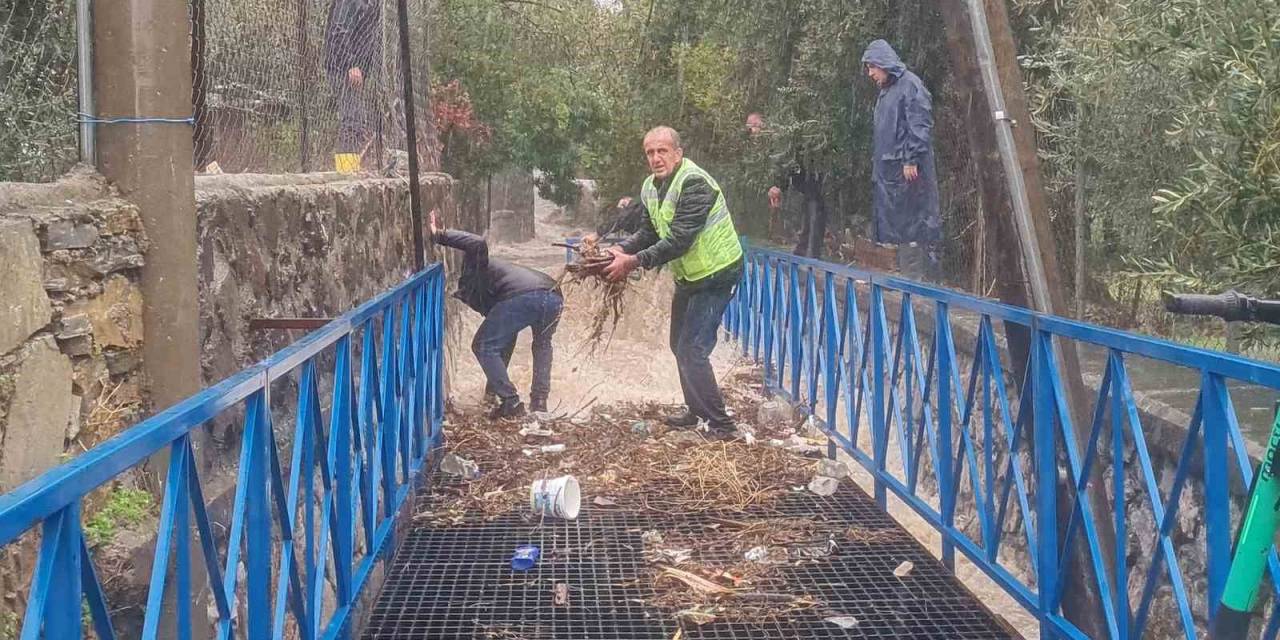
pixel 269 246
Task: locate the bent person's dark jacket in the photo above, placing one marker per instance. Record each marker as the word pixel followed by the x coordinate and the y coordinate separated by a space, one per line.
pixel 486 281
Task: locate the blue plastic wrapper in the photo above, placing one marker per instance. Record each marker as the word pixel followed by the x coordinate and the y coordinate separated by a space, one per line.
pixel 525 557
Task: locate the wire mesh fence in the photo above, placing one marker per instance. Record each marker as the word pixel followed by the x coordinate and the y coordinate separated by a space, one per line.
pixel 306 85
pixel 38 98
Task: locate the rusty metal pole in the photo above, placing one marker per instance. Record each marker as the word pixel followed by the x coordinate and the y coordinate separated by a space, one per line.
pixel 304 88
pixel 411 135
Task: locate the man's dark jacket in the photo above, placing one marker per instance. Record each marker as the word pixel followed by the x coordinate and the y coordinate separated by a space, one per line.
pixel 486 281
pixel 353 38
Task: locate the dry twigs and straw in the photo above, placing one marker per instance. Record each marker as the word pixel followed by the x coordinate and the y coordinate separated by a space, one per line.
pixel 607 297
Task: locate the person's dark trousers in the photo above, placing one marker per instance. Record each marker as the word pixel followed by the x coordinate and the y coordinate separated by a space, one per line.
pixel 353 115
pixel 506 364
pixel 813 232
pixel 496 337
pixel 696 313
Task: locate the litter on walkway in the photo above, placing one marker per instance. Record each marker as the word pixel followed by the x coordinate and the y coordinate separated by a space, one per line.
pixel 558 497
pixel 459 466
pixel 823 486
pixel 697 533
pixel 525 557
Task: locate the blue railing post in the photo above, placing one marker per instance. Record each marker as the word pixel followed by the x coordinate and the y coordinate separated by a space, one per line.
pixel 879 419
pixel 56 585
pixel 1046 468
pixel 1217 498
pixel 830 360
pixel 766 323
pixel 339 454
pixel 946 492
pixel 796 318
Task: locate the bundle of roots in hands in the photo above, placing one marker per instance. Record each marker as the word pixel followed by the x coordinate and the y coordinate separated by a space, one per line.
pixel 607 304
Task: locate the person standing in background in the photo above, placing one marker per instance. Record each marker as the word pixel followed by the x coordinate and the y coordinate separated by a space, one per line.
pixel 903 173
pixel 352 49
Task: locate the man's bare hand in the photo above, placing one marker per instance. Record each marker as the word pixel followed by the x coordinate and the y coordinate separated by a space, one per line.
pixel 355 77
pixel 775 197
pixel 911 172
pixel 622 265
pixel 624 202
pixel 433 221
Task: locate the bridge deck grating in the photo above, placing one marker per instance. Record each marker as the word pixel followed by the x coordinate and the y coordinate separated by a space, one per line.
pixel 455 582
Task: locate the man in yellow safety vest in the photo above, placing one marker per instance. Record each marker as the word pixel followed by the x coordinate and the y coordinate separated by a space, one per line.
pixel 690 229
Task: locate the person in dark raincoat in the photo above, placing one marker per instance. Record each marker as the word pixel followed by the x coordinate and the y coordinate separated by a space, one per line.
pixel 904 175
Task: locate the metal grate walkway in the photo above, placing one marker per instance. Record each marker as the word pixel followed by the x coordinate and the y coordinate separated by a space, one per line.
pixel 455 581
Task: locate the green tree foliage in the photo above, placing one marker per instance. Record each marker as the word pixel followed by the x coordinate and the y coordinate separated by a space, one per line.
pixel 38 102
pixel 1171 107
pixel 570 86
pixel 522 64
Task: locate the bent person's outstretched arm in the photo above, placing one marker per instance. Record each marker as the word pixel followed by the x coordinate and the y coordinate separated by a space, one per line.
pixel 469 243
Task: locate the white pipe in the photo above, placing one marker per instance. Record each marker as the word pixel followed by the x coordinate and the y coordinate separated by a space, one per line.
pixel 84 68
pixel 1028 241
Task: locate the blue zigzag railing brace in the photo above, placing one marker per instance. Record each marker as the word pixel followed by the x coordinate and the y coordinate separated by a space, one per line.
pixel 367 446
pixel 851 346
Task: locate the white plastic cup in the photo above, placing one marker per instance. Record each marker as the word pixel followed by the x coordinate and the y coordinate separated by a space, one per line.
pixel 557 497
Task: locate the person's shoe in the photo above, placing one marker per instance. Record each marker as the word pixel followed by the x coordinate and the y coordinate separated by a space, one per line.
pixel 721 434
pixel 508 408
pixel 538 405
pixel 682 420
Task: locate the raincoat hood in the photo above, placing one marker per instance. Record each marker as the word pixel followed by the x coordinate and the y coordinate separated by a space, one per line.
pixel 880 54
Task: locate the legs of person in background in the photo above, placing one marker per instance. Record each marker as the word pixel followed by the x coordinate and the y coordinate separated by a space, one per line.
pixel 353 127
pixel 695 325
pixel 802 240
pixel 920 262
pixel 544 328
pixel 817 214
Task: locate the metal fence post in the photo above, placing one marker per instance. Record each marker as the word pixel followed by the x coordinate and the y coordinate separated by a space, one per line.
pixel 84 70
pixel 830 360
pixel 796 320
pixel 766 321
pixel 1046 469
pixel 946 493
pixel 411 135
pixel 879 440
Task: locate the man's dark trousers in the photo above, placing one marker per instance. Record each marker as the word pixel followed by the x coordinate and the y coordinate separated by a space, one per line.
pixel 495 339
pixel 696 313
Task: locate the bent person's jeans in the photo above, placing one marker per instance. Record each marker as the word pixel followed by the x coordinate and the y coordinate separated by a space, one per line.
pixel 496 337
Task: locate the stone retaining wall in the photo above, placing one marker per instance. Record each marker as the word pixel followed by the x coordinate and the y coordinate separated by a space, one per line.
pixel 70 255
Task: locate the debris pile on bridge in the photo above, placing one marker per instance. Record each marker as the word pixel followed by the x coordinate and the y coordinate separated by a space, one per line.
pixel 732 565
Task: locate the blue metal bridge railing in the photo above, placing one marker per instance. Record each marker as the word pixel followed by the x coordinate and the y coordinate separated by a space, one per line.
pixel 367 449
pixel 848 345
